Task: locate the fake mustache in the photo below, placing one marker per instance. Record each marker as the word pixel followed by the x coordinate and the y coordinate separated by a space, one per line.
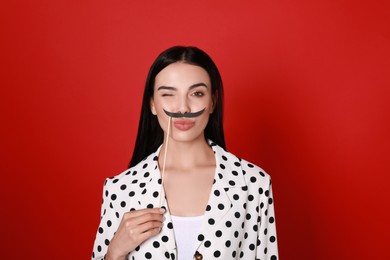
pixel 181 115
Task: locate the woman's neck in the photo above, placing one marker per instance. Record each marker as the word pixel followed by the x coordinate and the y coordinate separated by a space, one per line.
pixel 184 155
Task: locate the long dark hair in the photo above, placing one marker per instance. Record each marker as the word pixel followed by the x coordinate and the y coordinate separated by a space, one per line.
pixel 150 135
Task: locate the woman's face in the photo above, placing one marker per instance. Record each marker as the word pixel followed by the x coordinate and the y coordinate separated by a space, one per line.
pixel 183 88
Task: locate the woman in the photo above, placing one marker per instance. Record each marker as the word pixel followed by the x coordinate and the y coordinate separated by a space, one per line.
pixel 184 196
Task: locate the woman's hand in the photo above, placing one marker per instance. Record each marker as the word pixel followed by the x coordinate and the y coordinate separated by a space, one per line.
pixel 135 227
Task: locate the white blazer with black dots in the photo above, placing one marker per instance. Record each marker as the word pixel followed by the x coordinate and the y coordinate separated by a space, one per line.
pixel 239 221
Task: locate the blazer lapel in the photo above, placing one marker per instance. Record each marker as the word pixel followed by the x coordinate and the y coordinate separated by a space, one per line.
pixel 153 186
pixel 228 178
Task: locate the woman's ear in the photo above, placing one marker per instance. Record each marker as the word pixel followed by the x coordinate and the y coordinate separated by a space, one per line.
pixel 152 107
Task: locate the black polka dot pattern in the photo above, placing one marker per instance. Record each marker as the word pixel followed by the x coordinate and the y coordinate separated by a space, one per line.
pixel 239 220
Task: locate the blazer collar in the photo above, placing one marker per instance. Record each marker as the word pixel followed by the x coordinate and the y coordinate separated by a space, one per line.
pixel 228 171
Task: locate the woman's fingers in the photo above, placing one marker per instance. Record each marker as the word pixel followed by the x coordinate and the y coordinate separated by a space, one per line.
pixel 148 230
pixel 142 216
pixel 135 227
pixel 140 212
pixel 143 222
pixel 144 227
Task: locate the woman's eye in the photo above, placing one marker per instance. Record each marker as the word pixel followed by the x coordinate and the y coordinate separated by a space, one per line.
pixel 166 95
pixel 198 94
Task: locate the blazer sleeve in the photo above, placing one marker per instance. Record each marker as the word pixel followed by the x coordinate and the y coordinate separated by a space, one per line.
pixel 267 243
pixel 109 222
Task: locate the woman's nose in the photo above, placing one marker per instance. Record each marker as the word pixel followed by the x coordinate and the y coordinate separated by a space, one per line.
pixel 184 106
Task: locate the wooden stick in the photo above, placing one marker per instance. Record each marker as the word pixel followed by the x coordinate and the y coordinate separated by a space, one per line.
pixel 165 158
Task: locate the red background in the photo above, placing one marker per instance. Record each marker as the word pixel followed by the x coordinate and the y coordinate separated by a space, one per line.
pixel 307 98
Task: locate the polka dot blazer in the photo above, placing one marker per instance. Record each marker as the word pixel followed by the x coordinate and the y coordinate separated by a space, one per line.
pixel 239 220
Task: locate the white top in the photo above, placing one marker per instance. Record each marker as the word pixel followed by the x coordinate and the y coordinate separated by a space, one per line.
pixel 186 231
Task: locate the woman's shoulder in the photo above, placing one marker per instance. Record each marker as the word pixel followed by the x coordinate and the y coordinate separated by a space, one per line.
pixel 252 173
pixel 135 173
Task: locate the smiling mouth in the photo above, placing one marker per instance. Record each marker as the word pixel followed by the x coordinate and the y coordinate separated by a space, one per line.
pixel 184 115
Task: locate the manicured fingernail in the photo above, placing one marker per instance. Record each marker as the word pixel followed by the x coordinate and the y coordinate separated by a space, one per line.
pixel 162 210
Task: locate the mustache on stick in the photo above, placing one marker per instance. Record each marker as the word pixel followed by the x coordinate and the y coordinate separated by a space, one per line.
pixel 186 115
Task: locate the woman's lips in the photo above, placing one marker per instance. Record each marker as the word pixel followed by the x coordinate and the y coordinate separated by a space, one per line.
pixel 183 125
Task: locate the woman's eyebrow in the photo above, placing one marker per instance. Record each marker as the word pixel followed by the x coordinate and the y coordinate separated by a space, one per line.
pixel 166 88
pixel 198 85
